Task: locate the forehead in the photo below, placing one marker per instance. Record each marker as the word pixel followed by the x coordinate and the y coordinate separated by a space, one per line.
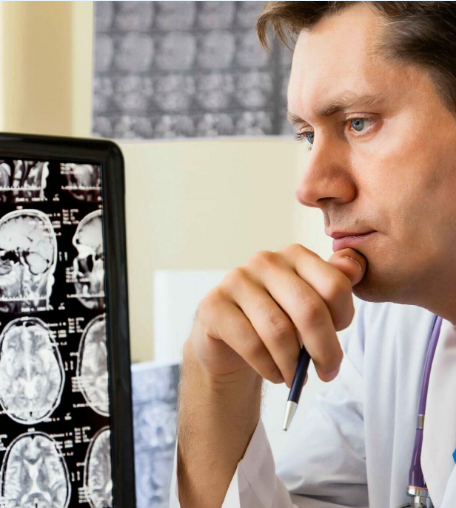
pixel 338 55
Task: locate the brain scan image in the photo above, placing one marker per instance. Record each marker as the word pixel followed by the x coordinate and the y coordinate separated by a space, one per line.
pixel 28 256
pixel 83 181
pixel 31 371
pixel 34 474
pixel 97 470
pixel 88 266
pixel 92 368
pixel 23 181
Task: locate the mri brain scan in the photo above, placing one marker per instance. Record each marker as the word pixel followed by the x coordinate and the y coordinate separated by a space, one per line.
pixel 83 181
pixel 28 255
pixel 88 266
pixel 22 181
pixel 34 474
pixel 93 366
pixel 31 371
pixel 97 470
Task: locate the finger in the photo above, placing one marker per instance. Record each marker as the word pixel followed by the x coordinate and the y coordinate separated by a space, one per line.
pixel 351 263
pixel 227 325
pixel 307 312
pixel 329 281
pixel 311 317
pixel 267 315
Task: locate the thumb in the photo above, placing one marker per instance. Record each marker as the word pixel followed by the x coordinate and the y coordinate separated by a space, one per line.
pixel 351 263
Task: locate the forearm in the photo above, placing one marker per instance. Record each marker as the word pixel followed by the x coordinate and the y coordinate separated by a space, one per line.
pixel 215 423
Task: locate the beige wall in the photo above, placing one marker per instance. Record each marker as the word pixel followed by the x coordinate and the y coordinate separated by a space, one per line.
pixel 202 205
pixel 46 66
pixel 190 204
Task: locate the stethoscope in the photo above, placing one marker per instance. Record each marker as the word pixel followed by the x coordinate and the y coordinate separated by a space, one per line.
pixel 417 489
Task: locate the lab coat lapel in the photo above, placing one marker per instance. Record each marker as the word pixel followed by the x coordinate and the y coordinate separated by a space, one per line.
pixel 439 435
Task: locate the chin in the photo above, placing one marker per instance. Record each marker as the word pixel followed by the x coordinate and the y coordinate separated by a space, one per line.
pixel 384 287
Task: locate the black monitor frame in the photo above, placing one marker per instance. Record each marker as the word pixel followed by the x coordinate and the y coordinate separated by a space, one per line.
pixel 108 155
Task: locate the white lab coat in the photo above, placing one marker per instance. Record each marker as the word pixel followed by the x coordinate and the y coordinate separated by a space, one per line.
pixel 354 445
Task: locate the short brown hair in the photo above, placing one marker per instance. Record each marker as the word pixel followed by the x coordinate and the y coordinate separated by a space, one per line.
pixel 421 33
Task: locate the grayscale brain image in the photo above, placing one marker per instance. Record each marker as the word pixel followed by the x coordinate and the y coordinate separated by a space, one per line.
pixel 22 181
pixel 28 254
pixel 31 371
pixel 83 181
pixel 34 474
pixel 88 265
pixel 93 366
pixel 185 69
pixel 97 471
pixel 54 383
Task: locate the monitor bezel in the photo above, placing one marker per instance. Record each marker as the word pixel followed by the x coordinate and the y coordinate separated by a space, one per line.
pixel 109 156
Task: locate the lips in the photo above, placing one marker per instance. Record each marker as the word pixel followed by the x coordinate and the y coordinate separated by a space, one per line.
pixel 350 240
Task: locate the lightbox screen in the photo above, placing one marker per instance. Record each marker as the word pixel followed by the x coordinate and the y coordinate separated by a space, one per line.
pixel 54 403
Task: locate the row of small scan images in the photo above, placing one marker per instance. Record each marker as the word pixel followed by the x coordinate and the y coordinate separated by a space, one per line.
pixel 36 455
pixel 28 259
pixel 24 181
pixel 32 375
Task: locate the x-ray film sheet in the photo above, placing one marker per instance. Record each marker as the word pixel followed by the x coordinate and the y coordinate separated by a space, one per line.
pixel 54 405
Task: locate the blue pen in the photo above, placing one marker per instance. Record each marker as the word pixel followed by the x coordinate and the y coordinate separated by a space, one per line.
pixel 296 386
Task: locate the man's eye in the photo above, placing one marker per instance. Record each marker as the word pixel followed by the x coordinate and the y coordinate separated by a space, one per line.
pixel 308 136
pixel 357 124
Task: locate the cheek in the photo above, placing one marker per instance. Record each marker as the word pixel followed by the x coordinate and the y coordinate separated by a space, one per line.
pixel 396 173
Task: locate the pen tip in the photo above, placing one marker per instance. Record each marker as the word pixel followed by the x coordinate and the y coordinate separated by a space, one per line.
pixel 289 413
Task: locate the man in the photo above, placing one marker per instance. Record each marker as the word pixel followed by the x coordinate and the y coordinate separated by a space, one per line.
pixel 373 92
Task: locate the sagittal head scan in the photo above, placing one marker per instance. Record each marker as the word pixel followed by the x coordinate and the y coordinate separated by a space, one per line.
pixel 34 474
pixel 93 366
pixel 31 371
pixel 88 266
pixel 97 470
pixel 28 255
pixel 83 181
pixel 22 181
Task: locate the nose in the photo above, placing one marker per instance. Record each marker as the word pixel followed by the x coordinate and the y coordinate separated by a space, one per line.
pixel 327 175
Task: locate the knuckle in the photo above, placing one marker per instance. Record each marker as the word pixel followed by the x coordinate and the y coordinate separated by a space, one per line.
pixel 296 249
pixel 313 312
pixel 293 249
pixel 252 347
pixel 214 297
pixel 261 258
pixel 233 278
pixel 280 328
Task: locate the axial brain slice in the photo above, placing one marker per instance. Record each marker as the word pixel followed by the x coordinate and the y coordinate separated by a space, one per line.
pixel 93 366
pixel 97 471
pixel 34 474
pixel 28 253
pixel 88 266
pixel 31 371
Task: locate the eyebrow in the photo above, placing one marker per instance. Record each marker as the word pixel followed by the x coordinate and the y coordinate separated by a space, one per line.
pixel 347 100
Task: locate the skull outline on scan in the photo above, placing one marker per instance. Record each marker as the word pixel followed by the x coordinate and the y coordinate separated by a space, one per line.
pixel 92 366
pixel 88 265
pixel 34 473
pixel 97 470
pixel 28 258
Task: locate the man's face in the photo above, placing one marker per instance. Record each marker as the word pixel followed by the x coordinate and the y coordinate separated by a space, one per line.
pixel 389 166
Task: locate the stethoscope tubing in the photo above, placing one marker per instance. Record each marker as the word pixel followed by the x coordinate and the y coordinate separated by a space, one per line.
pixel 416 478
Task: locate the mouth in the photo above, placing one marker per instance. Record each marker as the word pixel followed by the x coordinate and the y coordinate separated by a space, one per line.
pixel 351 241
